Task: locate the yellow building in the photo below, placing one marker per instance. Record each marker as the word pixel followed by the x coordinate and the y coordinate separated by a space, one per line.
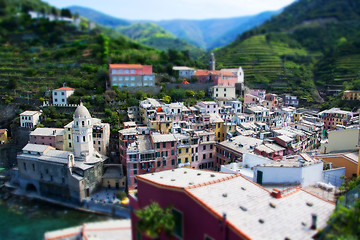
pixel 183 151
pixel 161 126
pixel 297 117
pixel 351 95
pixel 3 136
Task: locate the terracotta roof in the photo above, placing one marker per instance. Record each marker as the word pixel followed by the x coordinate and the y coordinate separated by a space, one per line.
pixel 65 89
pixel 125 66
pixel 216 72
pixel 3 130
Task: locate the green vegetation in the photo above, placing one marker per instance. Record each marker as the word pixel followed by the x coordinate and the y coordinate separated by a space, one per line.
pixel 154 220
pixel 309 47
pixel 154 36
pixel 344 222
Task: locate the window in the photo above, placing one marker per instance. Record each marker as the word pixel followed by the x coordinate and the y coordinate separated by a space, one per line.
pixel 69 136
pixel 172 144
pixel 204 156
pixel 196 158
pixel 135 172
pixel 173 162
pixel 55 93
pixel 62 93
pixel 84 139
pixel 158 145
pixel 99 149
pixel 164 144
pixel 186 160
pixel 192 158
pixel 210 155
pixel 187 150
pixel 164 163
pixel 158 164
pixel 132 71
pixel 25 166
pixel 135 166
pixel 62 100
pixel 77 138
pixel 94 142
pixel 178 217
pixel 180 151
pixel 211 146
pixel 204 147
pixel 69 145
pixel 99 142
pixel 179 160
pixel 172 152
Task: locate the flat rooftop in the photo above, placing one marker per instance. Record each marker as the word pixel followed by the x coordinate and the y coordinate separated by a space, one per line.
pixel 183 177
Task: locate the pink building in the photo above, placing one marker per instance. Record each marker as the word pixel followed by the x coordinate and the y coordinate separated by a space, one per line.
pixel 260 93
pixel 48 136
pixel 221 78
pixel 270 150
pixel 251 99
pixel 209 106
pixel 131 75
pixel 212 205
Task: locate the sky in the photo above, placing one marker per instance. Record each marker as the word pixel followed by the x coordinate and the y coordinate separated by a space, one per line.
pixel 178 9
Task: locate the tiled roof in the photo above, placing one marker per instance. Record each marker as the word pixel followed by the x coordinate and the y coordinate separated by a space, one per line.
pixel 3 130
pixel 31 113
pixel 65 89
pixel 126 66
pixel 251 210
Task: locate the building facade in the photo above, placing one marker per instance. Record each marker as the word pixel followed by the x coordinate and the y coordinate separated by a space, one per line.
pixel 131 75
pixel 29 119
pixel 61 95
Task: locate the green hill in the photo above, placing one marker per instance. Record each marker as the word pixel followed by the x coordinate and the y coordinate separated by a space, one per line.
pixel 98 17
pixel 154 36
pixel 37 55
pixel 312 45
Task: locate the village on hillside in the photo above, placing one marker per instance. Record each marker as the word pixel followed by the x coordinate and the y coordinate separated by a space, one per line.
pixel 234 164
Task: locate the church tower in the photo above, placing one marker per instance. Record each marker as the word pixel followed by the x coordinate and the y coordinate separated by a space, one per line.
pixel 212 62
pixel 82 132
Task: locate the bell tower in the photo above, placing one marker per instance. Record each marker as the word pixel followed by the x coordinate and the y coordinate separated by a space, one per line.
pixel 212 62
pixel 82 132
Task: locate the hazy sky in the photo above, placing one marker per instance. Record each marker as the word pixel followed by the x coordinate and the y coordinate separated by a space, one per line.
pixel 178 9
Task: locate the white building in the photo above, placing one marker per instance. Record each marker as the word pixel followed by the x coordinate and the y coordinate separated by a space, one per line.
pixel 61 95
pixel 235 104
pixel 239 72
pixel 29 119
pixel 300 170
pixel 184 72
pixel 222 92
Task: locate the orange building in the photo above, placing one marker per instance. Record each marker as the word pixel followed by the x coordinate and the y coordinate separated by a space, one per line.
pixel 349 160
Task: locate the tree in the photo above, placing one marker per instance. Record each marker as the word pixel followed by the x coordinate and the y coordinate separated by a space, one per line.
pixel 153 220
pixel 166 99
pixel 66 13
pixel 200 94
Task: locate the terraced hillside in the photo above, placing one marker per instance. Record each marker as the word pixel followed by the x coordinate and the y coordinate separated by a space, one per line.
pixel 269 62
pixel 311 46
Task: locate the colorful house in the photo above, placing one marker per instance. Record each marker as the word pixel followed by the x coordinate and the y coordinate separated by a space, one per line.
pixel 221 78
pixel 3 136
pixel 61 95
pixel 131 75
pixel 213 205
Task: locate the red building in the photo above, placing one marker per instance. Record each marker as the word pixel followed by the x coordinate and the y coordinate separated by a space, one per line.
pixel 211 205
pixel 131 75
pixel 221 78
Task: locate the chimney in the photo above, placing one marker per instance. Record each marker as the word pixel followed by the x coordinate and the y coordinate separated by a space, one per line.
pixel 313 222
pixel 276 193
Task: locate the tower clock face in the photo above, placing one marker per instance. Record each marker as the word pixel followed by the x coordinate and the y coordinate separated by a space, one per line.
pixel 83 132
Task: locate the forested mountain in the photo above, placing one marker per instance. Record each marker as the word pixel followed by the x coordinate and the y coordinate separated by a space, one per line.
pixel 205 34
pixel 157 37
pixel 145 33
pixel 311 44
pixel 212 33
